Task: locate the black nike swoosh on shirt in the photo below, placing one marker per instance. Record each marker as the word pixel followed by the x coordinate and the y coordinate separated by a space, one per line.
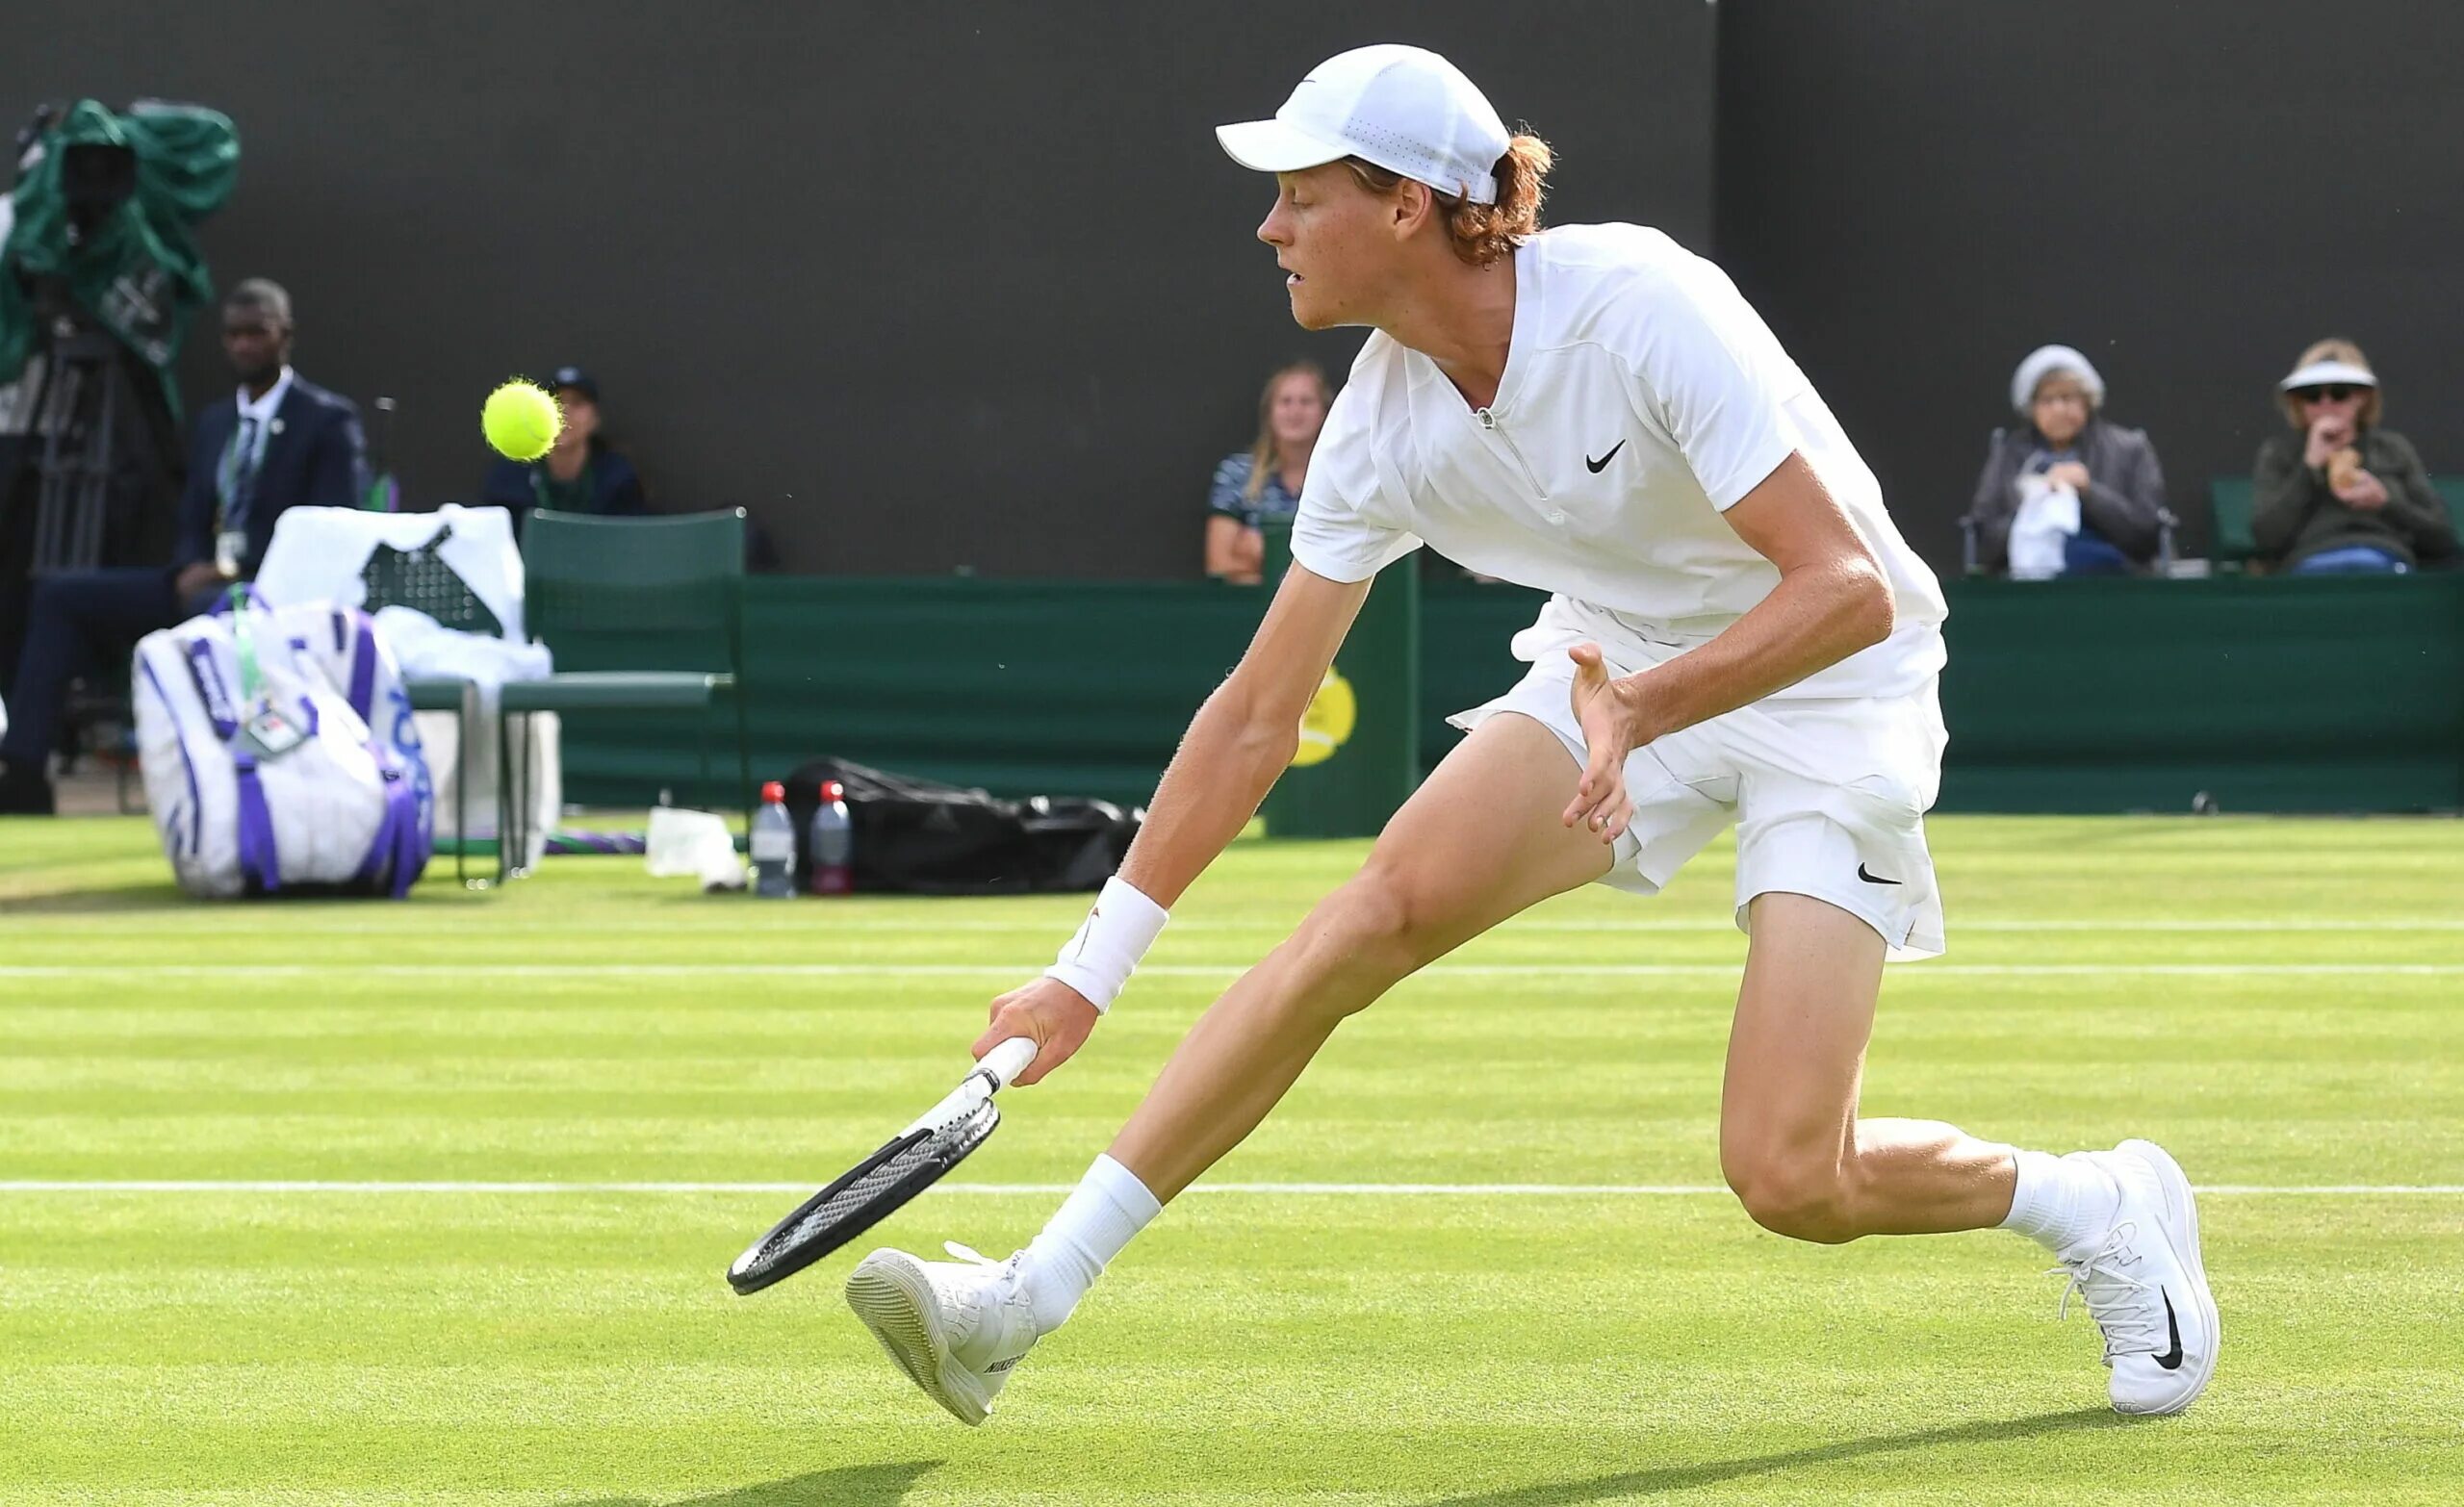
pixel 1872 879
pixel 1597 466
pixel 2171 1360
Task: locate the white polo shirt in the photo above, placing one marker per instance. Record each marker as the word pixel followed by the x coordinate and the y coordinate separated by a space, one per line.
pixel 1642 398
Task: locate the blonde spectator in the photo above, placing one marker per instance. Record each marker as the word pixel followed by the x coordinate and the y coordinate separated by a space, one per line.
pixel 1263 482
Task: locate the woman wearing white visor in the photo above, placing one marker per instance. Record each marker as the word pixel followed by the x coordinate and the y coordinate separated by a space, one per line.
pixel 1738 635
pixel 2339 492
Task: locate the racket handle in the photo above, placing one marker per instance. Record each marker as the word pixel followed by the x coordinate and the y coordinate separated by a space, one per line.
pixel 1008 1059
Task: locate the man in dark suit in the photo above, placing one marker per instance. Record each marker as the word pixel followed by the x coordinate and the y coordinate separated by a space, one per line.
pixel 281 442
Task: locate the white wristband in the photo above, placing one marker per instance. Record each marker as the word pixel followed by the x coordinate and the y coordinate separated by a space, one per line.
pixel 1099 959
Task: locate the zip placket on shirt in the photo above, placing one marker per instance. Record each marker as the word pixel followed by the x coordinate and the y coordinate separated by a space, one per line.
pixel 1491 426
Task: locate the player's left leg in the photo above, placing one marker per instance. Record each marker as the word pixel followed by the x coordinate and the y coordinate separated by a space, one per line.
pixel 1792 1144
pixel 1806 1165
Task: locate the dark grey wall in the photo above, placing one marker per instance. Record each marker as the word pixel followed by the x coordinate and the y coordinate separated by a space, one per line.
pixel 1918 191
pixel 925 285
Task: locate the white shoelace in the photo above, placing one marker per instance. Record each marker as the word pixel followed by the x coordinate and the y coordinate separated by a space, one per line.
pixel 2124 1307
pixel 1012 1294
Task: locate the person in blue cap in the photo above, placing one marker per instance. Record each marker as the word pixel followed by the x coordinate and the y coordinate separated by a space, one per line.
pixel 581 474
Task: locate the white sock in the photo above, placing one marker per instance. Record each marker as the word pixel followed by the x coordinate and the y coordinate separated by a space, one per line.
pixel 2061 1200
pixel 1107 1208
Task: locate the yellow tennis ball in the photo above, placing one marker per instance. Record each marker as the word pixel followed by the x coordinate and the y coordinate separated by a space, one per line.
pixel 521 420
pixel 1326 725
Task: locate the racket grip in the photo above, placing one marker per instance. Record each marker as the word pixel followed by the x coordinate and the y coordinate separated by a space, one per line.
pixel 1008 1059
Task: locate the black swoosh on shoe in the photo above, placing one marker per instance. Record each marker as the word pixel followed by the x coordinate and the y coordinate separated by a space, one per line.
pixel 2171 1360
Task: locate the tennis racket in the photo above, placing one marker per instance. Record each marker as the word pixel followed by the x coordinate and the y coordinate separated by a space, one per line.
pixel 875 1187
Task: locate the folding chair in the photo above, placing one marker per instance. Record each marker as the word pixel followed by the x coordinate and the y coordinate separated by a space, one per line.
pixel 642 613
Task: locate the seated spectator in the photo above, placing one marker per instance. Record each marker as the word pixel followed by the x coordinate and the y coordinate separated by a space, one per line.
pixel 281 442
pixel 1264 481
pixel 582 473
pixel 2068 491
pixel 2337 494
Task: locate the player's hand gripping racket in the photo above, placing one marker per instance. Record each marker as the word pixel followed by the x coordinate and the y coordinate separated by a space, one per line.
pixel 915 1160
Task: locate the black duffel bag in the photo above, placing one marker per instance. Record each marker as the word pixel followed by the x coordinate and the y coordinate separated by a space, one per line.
pixel 922 837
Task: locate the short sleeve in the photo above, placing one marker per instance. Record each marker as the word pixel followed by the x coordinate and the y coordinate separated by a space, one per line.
pixel 1720 384
pixel 1338 532
pixel 1225 494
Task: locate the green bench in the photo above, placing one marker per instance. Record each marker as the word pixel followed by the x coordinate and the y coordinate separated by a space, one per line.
pixel 2229 506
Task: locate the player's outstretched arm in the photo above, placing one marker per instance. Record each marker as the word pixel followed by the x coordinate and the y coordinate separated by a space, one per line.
pixel 1236 747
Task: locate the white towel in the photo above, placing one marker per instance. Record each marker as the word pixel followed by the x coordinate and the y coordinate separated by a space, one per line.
pixel 318 553
pixel 2048 517
pixel 423 647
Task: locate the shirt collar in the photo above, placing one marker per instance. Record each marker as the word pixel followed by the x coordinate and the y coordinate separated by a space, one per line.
pixel 263 408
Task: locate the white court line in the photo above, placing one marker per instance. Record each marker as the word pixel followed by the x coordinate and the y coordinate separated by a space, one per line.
pixel 418 925
pixel 1054 1189
pixel 1025 970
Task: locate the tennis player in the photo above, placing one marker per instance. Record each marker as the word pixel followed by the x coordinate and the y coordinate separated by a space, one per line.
pixel 1737 634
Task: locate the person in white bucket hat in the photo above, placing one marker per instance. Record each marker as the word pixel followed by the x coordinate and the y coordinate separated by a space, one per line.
pixel 2337 492
pixel 1738 635
pixel 2067 490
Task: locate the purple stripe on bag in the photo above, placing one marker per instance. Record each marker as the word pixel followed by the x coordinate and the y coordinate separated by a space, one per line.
pixel 380 849
pixel 196 797
pixel 400 850
pixel 363 669
pixel 229 599
pixel 411 845
pixel 257 853
pixel 210 690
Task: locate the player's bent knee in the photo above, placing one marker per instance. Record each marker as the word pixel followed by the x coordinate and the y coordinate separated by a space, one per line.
pixel 1370 926
pixel 1803 1197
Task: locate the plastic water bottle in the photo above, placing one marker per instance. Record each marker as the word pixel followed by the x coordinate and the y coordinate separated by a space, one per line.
pixel 832 842
pixel 774 845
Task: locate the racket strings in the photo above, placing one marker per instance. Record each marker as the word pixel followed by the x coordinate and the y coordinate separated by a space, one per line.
pixel 934 1152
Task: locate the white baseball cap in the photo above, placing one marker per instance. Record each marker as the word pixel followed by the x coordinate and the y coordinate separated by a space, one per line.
pixel 1405 109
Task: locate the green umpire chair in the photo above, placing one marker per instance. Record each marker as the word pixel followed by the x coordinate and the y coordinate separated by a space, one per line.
pixel 642 613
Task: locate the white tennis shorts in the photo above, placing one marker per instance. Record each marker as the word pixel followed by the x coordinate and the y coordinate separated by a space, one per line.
pixel 1829 798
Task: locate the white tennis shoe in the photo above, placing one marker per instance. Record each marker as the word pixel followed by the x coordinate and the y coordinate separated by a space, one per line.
pixel 2143 1280
pixel 955 1327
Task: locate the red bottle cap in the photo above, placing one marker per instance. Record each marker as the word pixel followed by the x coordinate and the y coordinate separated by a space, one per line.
pixel 773 791
pixel 832 790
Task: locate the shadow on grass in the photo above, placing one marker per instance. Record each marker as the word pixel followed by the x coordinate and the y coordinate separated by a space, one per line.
pixel 1685 1477
pixel 848 1486
pixel 108 901
pixel 436 887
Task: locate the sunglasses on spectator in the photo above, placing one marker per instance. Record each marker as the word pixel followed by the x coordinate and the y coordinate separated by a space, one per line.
pixel 2332 394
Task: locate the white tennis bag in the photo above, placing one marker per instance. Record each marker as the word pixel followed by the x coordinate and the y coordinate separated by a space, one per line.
pixel 281 755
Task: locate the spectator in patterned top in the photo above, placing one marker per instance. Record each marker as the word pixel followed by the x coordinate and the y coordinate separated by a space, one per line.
pixel 583 473
pixel 1263 482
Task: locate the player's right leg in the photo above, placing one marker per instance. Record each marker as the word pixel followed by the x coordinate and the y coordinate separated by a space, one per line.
pixel 1480 841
